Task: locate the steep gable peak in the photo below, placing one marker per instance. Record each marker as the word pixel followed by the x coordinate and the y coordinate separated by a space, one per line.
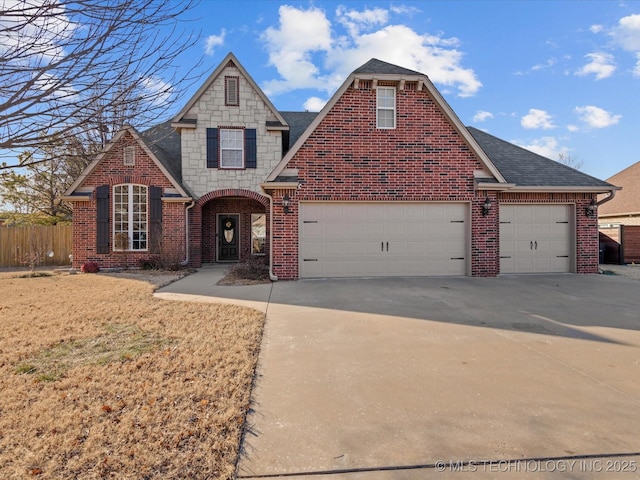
pixel 184 120
pixel 378 67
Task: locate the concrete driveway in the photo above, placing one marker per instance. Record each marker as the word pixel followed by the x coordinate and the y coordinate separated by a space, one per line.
pixel 407 378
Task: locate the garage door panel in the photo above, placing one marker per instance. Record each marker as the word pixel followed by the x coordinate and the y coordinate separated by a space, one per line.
pixel 342 239
pixel 535 238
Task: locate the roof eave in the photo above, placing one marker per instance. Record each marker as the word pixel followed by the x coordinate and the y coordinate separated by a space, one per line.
pixel 563 188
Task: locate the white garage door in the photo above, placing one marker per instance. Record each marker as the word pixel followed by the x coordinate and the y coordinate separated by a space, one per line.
pixel 535 239
pixel 349 239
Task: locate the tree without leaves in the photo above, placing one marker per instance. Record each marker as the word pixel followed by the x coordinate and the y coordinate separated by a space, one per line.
pixel 86 67
pixel 34 192
pixel 569 161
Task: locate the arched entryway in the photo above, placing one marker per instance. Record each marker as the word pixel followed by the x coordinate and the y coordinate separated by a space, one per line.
pixel 234 226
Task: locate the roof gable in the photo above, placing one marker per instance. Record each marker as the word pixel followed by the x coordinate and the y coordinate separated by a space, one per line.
pixel 153 150
pixel 376 70
pixel 230 58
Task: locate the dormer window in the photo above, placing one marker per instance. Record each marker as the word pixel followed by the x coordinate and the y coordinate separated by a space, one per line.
pixel 232 91
pixel 129 156
pixel 386 107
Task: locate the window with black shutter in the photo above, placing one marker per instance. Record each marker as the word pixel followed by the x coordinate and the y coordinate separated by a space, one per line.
pixel 102 219
pixel 232 148
pixel 155 219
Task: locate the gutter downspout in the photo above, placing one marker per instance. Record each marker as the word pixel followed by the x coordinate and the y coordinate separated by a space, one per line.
pixel 273 277
pixel 185 262
pixel 612 193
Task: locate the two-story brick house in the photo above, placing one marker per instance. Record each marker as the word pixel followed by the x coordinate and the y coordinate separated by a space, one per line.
pixel 384 181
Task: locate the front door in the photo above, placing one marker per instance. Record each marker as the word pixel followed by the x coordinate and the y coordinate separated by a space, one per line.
pixel 228 238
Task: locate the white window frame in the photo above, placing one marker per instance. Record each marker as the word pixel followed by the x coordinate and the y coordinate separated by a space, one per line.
pixel 383 106
pixel 131 216
pixel 129 156
pixel 259 237
pixel 228 144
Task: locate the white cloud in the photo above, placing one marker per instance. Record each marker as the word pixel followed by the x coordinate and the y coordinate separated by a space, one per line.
pixel 596 117
pixel 573 128
pixel 627 33
pixel 355 21
pixel 39 38
pixel 482 115
pixel 596 28
pixel 159 90
pixel 546 146
pixel 601 65
pixel 537 119
pixel 214 41
pixel 308 53
pixel 404 10
pixel 548 64
pixel 314 104
pixel 300 33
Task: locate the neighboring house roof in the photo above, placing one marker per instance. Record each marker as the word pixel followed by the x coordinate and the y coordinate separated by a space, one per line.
pixel 529 170
pixel 626 201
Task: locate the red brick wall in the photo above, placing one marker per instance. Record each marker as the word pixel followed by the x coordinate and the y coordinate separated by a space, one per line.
pixel 348 158
pixel 111 171
pixel 202 222
pixel 241 206
pixel 424 159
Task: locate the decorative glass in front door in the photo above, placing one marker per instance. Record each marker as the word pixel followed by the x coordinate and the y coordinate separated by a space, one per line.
pixel 228 238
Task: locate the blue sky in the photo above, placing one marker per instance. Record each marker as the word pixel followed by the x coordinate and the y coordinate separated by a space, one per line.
pixel 557 77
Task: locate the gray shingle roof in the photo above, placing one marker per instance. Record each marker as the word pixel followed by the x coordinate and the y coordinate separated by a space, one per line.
pixel 527 169
pixel 164 142
pixel 374 66
pixel 298 123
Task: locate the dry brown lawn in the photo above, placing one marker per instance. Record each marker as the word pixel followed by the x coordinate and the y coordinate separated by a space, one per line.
pixel 98 379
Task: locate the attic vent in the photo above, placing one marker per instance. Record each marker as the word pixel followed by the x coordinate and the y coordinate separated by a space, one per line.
pixel 412 86
pixel 365 85
pixel 129 157
pixel 386 83
pixel 231 91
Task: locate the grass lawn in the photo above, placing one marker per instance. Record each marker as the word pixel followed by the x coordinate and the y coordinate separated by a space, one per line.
pixel 98 379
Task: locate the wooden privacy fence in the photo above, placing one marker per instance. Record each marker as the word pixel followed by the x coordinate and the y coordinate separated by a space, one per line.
pixel 20 245
pixel 620 244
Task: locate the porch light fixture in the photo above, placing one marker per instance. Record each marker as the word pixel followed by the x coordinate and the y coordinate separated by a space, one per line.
pixel 591 209
pixel 285 203
pixel 486 206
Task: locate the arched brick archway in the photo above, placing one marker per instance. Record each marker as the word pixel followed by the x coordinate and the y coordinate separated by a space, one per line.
pixel 242 206
pixel 233 192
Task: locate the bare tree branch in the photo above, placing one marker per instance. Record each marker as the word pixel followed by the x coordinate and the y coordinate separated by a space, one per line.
pixel 67 66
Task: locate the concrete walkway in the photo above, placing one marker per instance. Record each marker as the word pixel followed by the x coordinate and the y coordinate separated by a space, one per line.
pixel 510 377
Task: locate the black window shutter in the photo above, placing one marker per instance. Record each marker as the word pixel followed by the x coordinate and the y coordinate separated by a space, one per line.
pixel 155 219
pixel 102 219
pixel 212 148
pixel 251 147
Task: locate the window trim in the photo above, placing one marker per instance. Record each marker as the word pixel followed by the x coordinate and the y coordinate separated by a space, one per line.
pixel 231 84
pixel 238 131
pixel 129 156
pixel 130 218
pixel 385 108
pixel 253 252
